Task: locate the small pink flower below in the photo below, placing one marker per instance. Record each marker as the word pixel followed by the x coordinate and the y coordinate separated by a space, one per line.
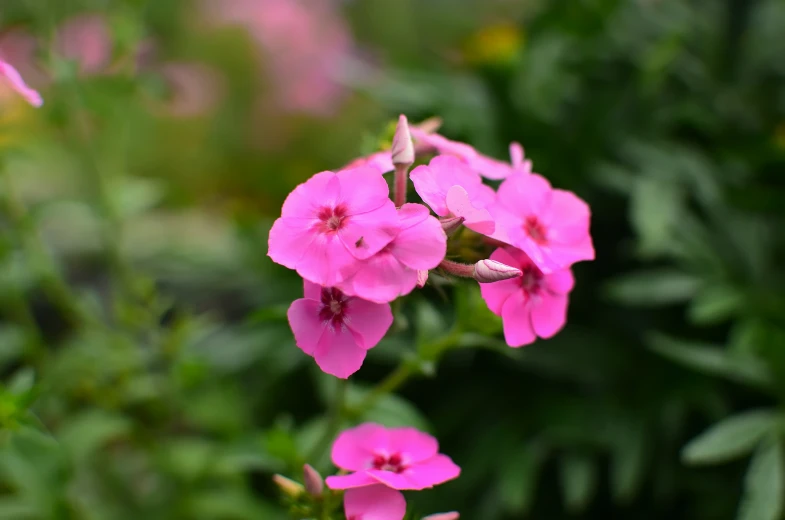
pixel 400 458
pixel 532 305
pixel 374 503
pixel 337 330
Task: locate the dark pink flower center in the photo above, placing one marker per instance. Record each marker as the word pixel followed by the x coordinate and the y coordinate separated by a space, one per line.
pixel 332 219
pixel 392 463
pixel 532 278
pixel 534 228
pixel 333 306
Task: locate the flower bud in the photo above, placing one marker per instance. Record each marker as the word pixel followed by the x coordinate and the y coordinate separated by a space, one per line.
pixel 451 224
pixel 314 484
pixel 422 277
pixel 489 271
pixel 402 146
pixel 288 486
pixel 452 515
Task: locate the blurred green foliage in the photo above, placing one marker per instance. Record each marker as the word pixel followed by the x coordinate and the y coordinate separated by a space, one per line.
pixel 148 370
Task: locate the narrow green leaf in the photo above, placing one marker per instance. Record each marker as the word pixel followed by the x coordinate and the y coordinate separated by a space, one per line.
pixel 730 438
pixel 713 360
pixel 628 465
pixel 518 479
pixel 763 485
pixel 653 288
pixel 578 481
pixel 715 304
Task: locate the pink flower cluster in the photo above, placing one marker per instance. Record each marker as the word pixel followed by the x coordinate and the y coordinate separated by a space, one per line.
pixel 382 462
pixel 357 251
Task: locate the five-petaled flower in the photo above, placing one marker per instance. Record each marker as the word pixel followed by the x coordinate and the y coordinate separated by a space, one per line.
pixel 550 225
pixel 337 330
pixel 332 221
pixel 401 458
pixel 532 305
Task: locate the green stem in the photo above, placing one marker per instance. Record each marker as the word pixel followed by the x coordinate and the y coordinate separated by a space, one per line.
pixel 388 385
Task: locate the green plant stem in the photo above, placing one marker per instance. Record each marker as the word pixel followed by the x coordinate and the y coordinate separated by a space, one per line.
pixel 388 385
pixel 38 257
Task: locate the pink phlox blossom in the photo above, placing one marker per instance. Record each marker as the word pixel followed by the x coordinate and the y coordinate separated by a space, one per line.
pixel 335 329
pixel 332 221
pixel 451 188
pixel 419 245
pixel 401 458
pixel 86 39
pixel 374 503
pixel 550 225
pixel 15 81
pixel 488 167
pixel 533 305
pixel 381 161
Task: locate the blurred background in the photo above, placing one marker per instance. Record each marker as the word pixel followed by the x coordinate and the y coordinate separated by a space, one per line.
pixel 148 370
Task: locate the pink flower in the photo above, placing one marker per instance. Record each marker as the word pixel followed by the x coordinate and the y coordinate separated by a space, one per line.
pixel 15 81
pixel 482 164
pixel 451 188
pixel 374 503
pixel 530 306
pixel 194 88
pixel 337 330
pixel 86 39
pixel 330 222
pixel 550 225
pixel 392 272
pixel 381 161
pixel 401 458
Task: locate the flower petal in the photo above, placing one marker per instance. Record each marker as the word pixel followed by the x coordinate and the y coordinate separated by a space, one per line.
pixel 525 195
pixel 288 241
pixel 414 445
pixel 370 321
pixel 308 328
pixel 355 448
pixel 374 503
pixel 304 202
pixel 353 480
pixel 516 320
pixel 560 282
pixel 366 234
pixel 338 353
pixel 478 220
pixel 312 291
pixel 325 260
pixel 549 315
pixel 362 189
pixel 429 473
pixel 13 77
pixel 422 246
pixel 381 279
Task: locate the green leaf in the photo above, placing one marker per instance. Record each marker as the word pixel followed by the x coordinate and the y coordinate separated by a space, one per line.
pixel 714 304
pixel 578 481
pixel 393 411
pixel 653 288
pixel 730 438
pixel 85 433
pixel 628 465
pixel 763 485
pixel 713 360
pixel 517 482
pixel 655 209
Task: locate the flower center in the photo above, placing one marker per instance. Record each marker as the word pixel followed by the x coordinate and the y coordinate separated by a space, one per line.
pixel 333 303
pixel 392 463
pixel 332 219
pixel 531 281
pixel 535 229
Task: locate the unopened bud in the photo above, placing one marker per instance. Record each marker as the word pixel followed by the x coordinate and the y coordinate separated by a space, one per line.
pixel 402 146
pixel 314 484
pixel 288 486
pixel 489 271
pixel 422 278
pixel 452 515
pixel 451 224
pixel 430 125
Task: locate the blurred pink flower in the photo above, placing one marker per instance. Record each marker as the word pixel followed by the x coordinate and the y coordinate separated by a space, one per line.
pixel 401 458
pixel 194 88
pixel 374 503
pixel 550 225
pixel 87 40
pixel 451 188
pixel 486 166
pixel 392 272
pixel 330 222
pixel 336 329
pixel 532 305
pixel 304 43
pixel 10 75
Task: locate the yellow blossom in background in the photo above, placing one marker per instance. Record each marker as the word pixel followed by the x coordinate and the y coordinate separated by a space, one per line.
pixel 494 44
